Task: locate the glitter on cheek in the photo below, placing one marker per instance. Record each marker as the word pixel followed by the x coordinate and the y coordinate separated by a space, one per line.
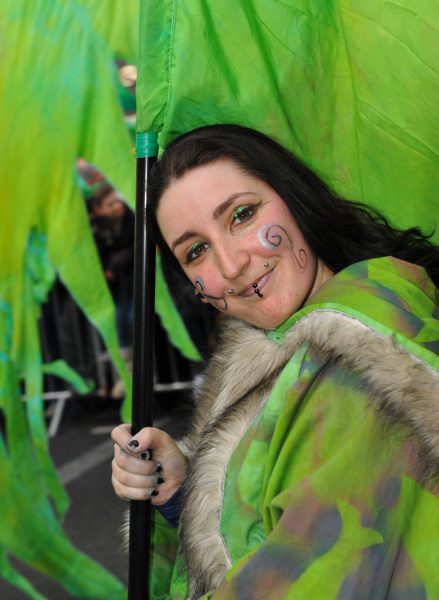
pixel 246 230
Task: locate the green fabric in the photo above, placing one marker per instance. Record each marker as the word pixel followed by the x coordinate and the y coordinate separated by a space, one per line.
pixel 170 318
pixel 57 102
pixel 61 369
pixel 117 22
pixel 333 473
pixel 164 557
pixel 383 278
pixel 341 510
pixel 30 530
pixel 351 86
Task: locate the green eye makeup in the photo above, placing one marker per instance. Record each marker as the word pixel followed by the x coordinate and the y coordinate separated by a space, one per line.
pixel 195 251
pixel 244 213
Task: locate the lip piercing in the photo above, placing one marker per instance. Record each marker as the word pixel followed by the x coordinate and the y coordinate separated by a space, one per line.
pixel 255 285
pixel 230 292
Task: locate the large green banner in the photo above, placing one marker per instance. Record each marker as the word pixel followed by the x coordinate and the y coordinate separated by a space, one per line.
pixel 58 102
pixel 351 86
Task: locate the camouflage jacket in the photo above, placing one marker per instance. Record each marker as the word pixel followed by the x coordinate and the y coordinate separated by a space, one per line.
pixel 314 452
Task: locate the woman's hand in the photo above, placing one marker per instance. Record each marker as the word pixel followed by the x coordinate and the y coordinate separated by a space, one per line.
pixel 134 476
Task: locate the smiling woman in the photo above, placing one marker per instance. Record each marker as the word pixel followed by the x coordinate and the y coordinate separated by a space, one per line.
pixel 239 245
pixel 311 467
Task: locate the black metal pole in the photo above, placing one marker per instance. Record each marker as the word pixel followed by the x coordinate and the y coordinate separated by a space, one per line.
pixel 143 365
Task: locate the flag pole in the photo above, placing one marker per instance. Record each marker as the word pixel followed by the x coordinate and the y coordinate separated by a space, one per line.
pixel 143 362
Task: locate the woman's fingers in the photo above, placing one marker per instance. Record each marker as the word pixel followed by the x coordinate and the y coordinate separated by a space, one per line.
pixel 134 480
pixel 139 482
pixel 133 464
pixel 122 434
pixel 138 475
pixel 129 493
pixel 145 440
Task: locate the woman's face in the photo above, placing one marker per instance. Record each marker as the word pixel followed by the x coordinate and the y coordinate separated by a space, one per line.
pixel 238 244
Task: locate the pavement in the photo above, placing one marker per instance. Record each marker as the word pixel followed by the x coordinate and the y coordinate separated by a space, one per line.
pixel 82 452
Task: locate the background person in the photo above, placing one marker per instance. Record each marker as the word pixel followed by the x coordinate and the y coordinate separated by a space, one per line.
pixel 311 467
pixel 112 224
pixel 113 228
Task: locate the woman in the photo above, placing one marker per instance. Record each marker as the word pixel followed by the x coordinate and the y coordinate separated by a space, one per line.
pixel 311 468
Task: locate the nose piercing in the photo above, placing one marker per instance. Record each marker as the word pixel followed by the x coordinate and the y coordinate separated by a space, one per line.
pixel 266 265
pixel 230 292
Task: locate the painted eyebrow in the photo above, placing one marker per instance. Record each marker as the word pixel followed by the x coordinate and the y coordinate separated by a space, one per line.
pixel 219 210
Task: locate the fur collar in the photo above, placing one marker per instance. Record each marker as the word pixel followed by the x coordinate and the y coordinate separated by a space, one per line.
pixel 238 383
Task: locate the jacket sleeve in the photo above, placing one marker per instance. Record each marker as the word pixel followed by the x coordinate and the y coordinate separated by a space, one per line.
pixel 340 492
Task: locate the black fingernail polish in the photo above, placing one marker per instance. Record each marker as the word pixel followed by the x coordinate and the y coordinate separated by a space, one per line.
pixel 160 480
pixel 144 455
pixel 158 468
pixel 154 492
pixel 133 444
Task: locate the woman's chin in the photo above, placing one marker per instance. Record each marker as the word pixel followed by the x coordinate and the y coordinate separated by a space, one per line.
pixel 267 322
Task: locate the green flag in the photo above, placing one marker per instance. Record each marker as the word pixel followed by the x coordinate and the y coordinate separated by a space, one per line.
pixel 118 23
pixel 58 102
pixel 351 86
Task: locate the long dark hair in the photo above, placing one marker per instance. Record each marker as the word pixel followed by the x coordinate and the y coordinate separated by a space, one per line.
pixel 338 231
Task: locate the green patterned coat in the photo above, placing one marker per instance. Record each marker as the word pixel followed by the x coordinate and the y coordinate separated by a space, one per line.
pixel 314 453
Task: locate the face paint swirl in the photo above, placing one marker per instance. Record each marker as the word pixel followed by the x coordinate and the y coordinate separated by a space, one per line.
pixel 218 302
pixel 270 236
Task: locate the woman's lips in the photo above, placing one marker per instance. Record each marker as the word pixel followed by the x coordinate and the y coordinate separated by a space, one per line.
pixel 261 283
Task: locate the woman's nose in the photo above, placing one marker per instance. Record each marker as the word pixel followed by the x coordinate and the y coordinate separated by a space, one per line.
pixel 232 261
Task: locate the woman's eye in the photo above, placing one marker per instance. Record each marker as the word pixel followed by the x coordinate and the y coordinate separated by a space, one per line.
pixel 195 251
pixel 243 214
